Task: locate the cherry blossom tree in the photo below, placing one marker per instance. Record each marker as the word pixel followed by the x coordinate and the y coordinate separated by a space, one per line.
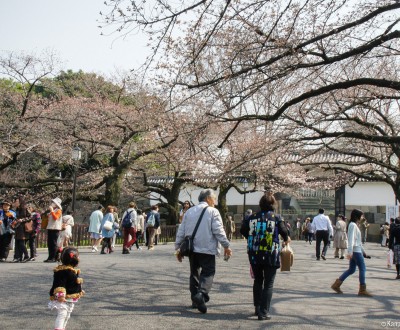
pixel 114 127
pixel 303 49
pixel 326 70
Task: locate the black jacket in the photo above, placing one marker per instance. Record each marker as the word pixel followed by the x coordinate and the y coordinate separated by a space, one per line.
pixel 394 237
pixel 66 280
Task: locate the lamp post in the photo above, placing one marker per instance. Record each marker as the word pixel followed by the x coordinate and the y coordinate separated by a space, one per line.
pixel 245 185
pixel 76 156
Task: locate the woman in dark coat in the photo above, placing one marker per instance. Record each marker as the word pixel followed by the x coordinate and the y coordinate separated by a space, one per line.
pixel 262 232
pixel 23 216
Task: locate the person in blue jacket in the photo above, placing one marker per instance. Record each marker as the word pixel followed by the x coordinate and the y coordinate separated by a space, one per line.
pixel 7 218
pixel 107 230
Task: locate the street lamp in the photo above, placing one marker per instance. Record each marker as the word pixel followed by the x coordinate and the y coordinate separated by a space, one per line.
pixel 245 185
pixel 76 156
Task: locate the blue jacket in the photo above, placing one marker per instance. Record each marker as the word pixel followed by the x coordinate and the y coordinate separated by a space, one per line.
pixel 107 233
pixel 6 222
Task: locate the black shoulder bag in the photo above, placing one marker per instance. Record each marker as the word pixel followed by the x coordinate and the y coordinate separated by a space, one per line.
pixel 186 247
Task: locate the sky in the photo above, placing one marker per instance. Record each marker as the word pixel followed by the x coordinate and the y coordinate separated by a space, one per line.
pixel 71 30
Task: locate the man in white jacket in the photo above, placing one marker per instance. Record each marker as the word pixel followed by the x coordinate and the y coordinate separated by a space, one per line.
pixel 206 242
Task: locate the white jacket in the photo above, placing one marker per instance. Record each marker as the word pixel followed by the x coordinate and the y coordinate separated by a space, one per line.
pixel 210 233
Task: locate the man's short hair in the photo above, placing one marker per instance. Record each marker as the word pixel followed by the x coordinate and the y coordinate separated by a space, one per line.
pixel 206 193
pixel 321 211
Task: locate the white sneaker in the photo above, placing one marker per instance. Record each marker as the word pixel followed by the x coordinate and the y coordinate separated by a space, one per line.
pixel 139 248
pixel 94 249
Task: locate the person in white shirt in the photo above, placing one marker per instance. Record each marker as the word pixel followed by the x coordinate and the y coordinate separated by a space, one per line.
pixel 355 253
pixel 322 227
pixel 206 246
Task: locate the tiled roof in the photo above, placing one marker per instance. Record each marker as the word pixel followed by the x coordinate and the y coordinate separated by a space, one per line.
pixel 325 157
pixel 165 179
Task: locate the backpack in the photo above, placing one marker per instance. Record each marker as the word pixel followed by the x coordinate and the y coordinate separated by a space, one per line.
pixel 151 221
pixel 127 221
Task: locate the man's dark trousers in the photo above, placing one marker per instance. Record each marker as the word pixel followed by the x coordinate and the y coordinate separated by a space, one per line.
pixel 202 271
pixel 322 235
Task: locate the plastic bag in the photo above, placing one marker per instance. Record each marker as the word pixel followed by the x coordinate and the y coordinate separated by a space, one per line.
pixel 287 257
pixel 389 258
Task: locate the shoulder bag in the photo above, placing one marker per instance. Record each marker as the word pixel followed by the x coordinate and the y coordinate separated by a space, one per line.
pixel 28 227
pixel 186 247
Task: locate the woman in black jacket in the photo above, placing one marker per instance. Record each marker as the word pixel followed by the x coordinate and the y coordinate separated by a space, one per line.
pixel 262 232
pixel 23 216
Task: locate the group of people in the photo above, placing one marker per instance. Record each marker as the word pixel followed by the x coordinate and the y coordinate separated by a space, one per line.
pixel 22 222
pixel 264 231
pixel 105 225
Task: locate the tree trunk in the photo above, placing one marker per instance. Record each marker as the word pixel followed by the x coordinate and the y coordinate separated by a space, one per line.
pixel 113 181
pixel 222 205
pixel 173 201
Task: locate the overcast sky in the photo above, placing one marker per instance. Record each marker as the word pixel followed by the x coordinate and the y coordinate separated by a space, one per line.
pixel 70 29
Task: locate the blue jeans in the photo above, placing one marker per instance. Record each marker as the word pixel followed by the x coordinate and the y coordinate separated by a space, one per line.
pixel 356 260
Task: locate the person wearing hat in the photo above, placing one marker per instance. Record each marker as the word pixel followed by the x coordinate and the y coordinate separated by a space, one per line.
pixel 7 216
pixel 53 228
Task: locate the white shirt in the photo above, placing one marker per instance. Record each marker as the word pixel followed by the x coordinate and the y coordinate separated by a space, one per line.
pixel 322 222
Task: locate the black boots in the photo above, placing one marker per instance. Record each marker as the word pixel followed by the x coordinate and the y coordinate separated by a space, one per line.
pixel 262 313
pixel 103 247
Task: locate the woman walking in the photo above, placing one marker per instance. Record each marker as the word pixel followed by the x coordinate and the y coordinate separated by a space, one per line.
pixel 107 230
pixel 355 253
pixel 340 237
pixel 262 232
pixel 310 231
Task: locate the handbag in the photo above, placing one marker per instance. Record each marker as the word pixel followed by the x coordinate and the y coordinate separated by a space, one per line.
pixel 28 227
pixel 186 247
pixel 45 221
pixel 108 225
